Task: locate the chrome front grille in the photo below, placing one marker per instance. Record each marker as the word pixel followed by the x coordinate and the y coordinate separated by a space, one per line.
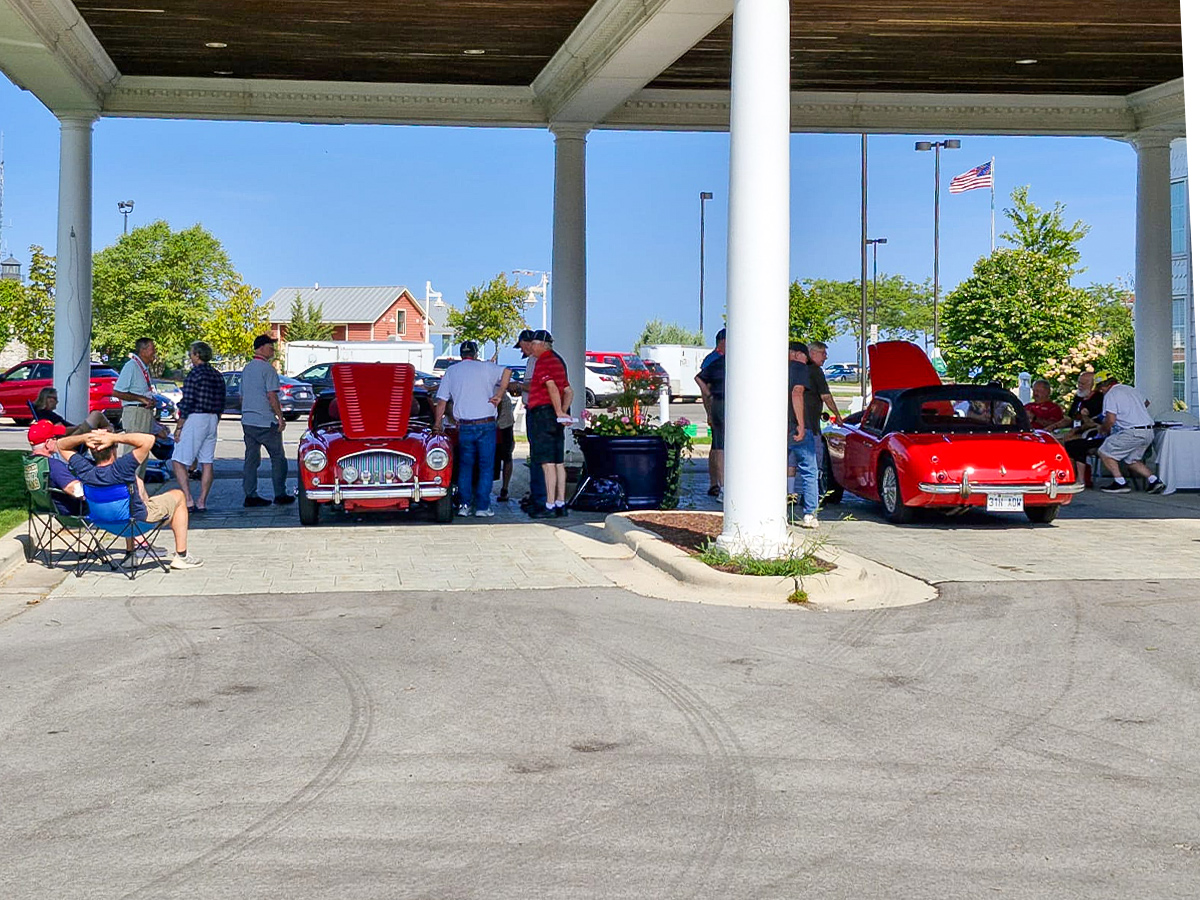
pixel 379 466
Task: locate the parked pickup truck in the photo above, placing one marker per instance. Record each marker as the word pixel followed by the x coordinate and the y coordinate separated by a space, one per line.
pixel 20 385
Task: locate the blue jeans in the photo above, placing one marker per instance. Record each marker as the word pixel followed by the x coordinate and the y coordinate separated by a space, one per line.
pixel 803 456
pixel 476 456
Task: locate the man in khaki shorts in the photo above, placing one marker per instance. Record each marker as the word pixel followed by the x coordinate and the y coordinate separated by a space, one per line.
pixel 109 469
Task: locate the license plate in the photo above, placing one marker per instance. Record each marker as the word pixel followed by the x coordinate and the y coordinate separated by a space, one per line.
pixel 1006 503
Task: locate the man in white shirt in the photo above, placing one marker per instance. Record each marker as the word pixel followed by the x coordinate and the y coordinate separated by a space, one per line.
pixel 475 387
pixel 1130 430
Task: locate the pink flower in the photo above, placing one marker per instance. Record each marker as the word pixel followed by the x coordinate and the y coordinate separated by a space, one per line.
pixel 624 420
pixel 682 421
pixel 586 415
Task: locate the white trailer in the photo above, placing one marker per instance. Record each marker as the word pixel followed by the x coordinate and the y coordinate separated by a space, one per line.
pixel 302 354
pixel 682 363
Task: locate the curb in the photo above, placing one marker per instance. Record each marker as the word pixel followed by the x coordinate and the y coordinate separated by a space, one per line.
pixel 12 550
pixel 855 582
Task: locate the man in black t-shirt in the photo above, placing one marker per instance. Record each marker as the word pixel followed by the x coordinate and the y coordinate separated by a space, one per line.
pixel 804 429
pixel 818 352
pixel 711 381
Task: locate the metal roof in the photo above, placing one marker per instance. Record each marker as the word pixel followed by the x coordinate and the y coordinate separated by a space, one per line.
pixel 346 305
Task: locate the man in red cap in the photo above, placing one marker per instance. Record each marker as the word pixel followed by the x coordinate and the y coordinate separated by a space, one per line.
pixel 61 478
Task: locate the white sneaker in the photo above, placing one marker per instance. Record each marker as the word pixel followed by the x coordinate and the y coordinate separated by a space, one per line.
pixel 484 513
pixel 809 521
pixel 186 562
pixel 464 510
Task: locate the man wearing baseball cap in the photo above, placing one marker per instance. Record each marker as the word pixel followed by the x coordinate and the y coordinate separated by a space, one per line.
pixel 262 424
pixel 61 478
pixel 475 387
pixel 549 411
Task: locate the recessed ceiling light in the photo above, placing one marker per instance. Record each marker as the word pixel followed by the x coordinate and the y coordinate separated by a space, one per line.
pixel 222 72
pixel 1026 62
pixel 474 52
pixel 216 45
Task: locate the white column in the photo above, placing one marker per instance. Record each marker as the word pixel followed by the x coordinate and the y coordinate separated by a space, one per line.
pixel 569 263
pixel 756 362
pixel 73 272
pixel 1152 274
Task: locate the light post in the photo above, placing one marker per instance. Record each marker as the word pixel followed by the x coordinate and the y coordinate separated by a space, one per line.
pixel 936 147
pixel 704 195
pixel 125 207
pixel 874 244
pixel 540 288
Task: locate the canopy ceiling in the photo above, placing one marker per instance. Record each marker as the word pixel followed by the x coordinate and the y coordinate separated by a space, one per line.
pixel 616 63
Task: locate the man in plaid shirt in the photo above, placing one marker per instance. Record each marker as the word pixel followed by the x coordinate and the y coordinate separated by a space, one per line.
pixel 196 434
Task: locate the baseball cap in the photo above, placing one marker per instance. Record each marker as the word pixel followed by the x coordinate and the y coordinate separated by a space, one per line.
pixel 468 348
pixel 43 429
pixel 799 346
pixel 525 335
pixel 543 335
pixel 721 335
pixel 263 339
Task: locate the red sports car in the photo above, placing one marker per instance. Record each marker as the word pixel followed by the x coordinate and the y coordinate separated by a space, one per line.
pixel 370 445
pixel 921 443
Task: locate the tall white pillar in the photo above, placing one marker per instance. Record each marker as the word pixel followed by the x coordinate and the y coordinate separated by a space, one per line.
pixel 759 242
pixel 1152 273
pixel 73 272
pixel 569 263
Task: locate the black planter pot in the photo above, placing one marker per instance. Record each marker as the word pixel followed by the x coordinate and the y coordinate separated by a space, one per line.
pixel 640 462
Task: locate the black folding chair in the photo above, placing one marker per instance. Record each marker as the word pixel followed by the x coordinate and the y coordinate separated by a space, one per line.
pixel 109 519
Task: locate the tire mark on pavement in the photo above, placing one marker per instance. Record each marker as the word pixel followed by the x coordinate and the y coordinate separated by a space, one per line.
pixel 183 653
pixel 358 730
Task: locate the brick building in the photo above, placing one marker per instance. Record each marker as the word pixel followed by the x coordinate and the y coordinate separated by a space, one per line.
pixel 389 312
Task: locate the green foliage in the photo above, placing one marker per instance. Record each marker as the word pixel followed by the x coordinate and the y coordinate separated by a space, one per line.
pixel 1016 311
pixel 159 283
pixel 235 321
pixel 14 505
pixel 1044 232
pixel 656 331
pixel 821 309
pixel 678 441
pixel 815 309
pixel 494 312
pixel 307 322
pixel 1112 318
pixel 795 564
pixel 27 310
pixel 11 298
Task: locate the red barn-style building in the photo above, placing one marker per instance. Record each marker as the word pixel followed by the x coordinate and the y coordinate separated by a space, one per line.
pixel 388 312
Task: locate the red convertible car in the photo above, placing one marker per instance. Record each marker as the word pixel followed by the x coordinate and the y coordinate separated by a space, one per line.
pixel 923 444
pixel 370 445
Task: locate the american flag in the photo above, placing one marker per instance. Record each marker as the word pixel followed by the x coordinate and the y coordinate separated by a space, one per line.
pixel 978 177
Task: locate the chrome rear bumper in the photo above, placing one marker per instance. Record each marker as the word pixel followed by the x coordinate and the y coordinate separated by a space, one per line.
pixel 966 488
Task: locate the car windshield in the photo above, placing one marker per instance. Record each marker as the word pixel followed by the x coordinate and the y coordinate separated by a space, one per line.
pixel 634 363
pixel 611 371
pixel 962 408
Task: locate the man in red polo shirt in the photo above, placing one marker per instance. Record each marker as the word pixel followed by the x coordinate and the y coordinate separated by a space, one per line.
pixel 548 413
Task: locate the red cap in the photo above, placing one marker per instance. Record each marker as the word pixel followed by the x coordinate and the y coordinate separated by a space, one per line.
pixel 43 429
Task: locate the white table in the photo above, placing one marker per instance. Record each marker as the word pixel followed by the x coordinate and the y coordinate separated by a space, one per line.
pixel 1178 453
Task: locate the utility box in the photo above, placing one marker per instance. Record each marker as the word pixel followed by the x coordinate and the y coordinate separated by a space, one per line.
pixel 302 354
pixel 682 363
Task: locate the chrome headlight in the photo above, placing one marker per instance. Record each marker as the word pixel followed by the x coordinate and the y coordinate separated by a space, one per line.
pixel 437 458
pixel 315 460
pixel 404 472
pixel 349 473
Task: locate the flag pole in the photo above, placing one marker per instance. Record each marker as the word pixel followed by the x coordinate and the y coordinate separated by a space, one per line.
pixel 993 170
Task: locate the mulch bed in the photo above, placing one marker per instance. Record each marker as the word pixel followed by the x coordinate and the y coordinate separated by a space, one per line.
pixel 687 531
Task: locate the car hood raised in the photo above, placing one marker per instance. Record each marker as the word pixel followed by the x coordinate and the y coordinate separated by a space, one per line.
pixel 897 365
pixel 374 399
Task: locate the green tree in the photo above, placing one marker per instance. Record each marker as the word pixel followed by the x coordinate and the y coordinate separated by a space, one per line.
pixel 1112 318
pixel 1044 232
pixel 1016 311
pixel 814 309
pixel 235 320
pixel 307 322
pixel 656 331
pixel 494 312
pixel 821 309
pixel 27 310
pixel 159 283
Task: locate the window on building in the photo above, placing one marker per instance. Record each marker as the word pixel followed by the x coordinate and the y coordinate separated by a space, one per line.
pixel 1179 347
pixel 401 321
pixel 1179 213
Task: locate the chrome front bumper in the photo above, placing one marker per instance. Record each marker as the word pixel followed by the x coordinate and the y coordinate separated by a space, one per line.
pixel 339 493
pixel 966 488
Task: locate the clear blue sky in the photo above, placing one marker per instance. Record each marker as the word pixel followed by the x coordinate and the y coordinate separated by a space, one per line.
pixel 354 204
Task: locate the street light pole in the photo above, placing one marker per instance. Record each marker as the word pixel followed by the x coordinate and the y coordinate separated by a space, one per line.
pixel 704 195
pixel 125 207
pixel 936 146
pixel 875 242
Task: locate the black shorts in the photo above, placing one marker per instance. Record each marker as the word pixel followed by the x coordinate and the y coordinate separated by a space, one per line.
pixel 545 435
pixel 504 449
pixel 717 406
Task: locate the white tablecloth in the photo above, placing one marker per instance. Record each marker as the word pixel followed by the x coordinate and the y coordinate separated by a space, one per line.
pixel 1178 454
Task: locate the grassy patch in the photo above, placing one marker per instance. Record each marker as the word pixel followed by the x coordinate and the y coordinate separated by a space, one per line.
pixel 13 504
pixel 797 563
